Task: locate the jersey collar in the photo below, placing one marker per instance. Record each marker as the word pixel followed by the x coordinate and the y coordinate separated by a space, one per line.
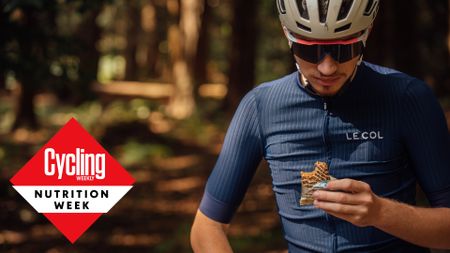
pixel 304 84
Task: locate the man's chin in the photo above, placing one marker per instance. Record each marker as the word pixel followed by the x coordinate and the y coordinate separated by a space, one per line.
pixel 327 91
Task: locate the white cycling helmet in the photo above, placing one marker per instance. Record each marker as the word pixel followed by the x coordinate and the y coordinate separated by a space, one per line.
pixel 326 19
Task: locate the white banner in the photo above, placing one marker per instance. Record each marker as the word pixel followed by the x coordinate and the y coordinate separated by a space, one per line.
pixel 72 199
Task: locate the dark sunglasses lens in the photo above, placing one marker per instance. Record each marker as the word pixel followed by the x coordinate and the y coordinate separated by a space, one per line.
pixel 309 53
pixel 316 53
pixel 348 52
pixel 333 50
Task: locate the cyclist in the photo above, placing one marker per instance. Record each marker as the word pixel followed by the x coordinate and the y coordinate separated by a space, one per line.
pixel 380 131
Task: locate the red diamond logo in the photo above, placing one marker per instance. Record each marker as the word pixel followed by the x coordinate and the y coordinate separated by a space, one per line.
pixel 72 180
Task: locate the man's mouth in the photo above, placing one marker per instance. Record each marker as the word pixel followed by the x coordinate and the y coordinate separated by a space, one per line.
pixel 328 81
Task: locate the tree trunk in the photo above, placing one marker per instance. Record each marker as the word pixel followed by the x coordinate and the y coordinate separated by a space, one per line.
pixel 183 39
pixel 25 115
pixel 133 28
pixel 181 104
pixel 243 52
pixel 88 35
pixel 151 39
pixel 190 24
pixel 27 76
pixel 201 60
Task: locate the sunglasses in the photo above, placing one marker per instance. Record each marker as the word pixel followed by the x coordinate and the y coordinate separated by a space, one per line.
pixel 315 51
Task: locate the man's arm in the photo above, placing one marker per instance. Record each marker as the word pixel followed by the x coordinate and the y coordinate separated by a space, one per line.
pixel 428 227
pixel 208 235
pixel 240 155
pixel 424 132
pixel 355 202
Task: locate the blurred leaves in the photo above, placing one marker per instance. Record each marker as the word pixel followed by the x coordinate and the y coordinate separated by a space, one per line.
pixel 134 153
pixel 11 5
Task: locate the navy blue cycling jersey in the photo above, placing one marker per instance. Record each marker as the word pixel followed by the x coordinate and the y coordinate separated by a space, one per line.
pixel 384 128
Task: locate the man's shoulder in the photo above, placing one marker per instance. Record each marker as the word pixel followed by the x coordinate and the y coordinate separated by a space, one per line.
pixel 276 86
pixel 381 70
pixel 385 73
pixel 391 80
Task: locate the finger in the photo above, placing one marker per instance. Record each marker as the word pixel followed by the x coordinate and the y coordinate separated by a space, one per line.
pixel 347 185
pixel 336 207
pixel 338 197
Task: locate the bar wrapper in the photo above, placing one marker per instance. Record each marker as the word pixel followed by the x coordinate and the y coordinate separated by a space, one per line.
pixel 314 180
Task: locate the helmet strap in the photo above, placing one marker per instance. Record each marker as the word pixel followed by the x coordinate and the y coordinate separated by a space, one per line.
pixel 360 60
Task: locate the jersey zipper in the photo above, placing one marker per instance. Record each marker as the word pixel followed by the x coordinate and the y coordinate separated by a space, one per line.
pixel 325 129
pixel 326 141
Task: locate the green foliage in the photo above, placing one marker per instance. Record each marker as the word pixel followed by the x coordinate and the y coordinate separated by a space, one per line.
pixel 445 102
pixel 179 241
pixel 16 4
pixel 257 243
pixel 134 153
pixel 274 59
pixel 6 116
pixel 41 45
pixel 199 128
pixel 220 33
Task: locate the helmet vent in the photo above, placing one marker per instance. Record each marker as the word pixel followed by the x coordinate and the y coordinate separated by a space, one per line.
pixel 345 9
pixel 375 10
pixel 323 10
pixel 281 6
pixel 343 28
pixel 369 8
pixel 303 9
pixel 303 27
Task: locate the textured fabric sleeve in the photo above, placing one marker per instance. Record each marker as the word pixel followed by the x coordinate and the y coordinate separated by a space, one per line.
pixel 236 165
pixel 427 139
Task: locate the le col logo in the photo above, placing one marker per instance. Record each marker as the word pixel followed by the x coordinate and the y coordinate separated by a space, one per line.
pixel 373 135
pixel 85 166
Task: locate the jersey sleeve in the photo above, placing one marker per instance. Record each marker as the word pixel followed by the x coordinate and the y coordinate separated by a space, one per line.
pixel 427 139
pixel 236 165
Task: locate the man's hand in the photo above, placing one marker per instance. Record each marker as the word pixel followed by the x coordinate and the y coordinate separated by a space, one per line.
pixel 349 200
pixel 355 202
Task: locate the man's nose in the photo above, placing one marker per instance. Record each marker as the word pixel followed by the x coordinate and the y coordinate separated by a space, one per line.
pixel 328 66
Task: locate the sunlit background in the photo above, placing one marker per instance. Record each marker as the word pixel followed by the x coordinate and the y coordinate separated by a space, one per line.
pixel 156 82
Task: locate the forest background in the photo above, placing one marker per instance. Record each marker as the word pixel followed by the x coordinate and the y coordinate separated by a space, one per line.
pixel 156 83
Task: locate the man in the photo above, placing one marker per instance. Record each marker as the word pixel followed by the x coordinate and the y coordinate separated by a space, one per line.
pixel 379 130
